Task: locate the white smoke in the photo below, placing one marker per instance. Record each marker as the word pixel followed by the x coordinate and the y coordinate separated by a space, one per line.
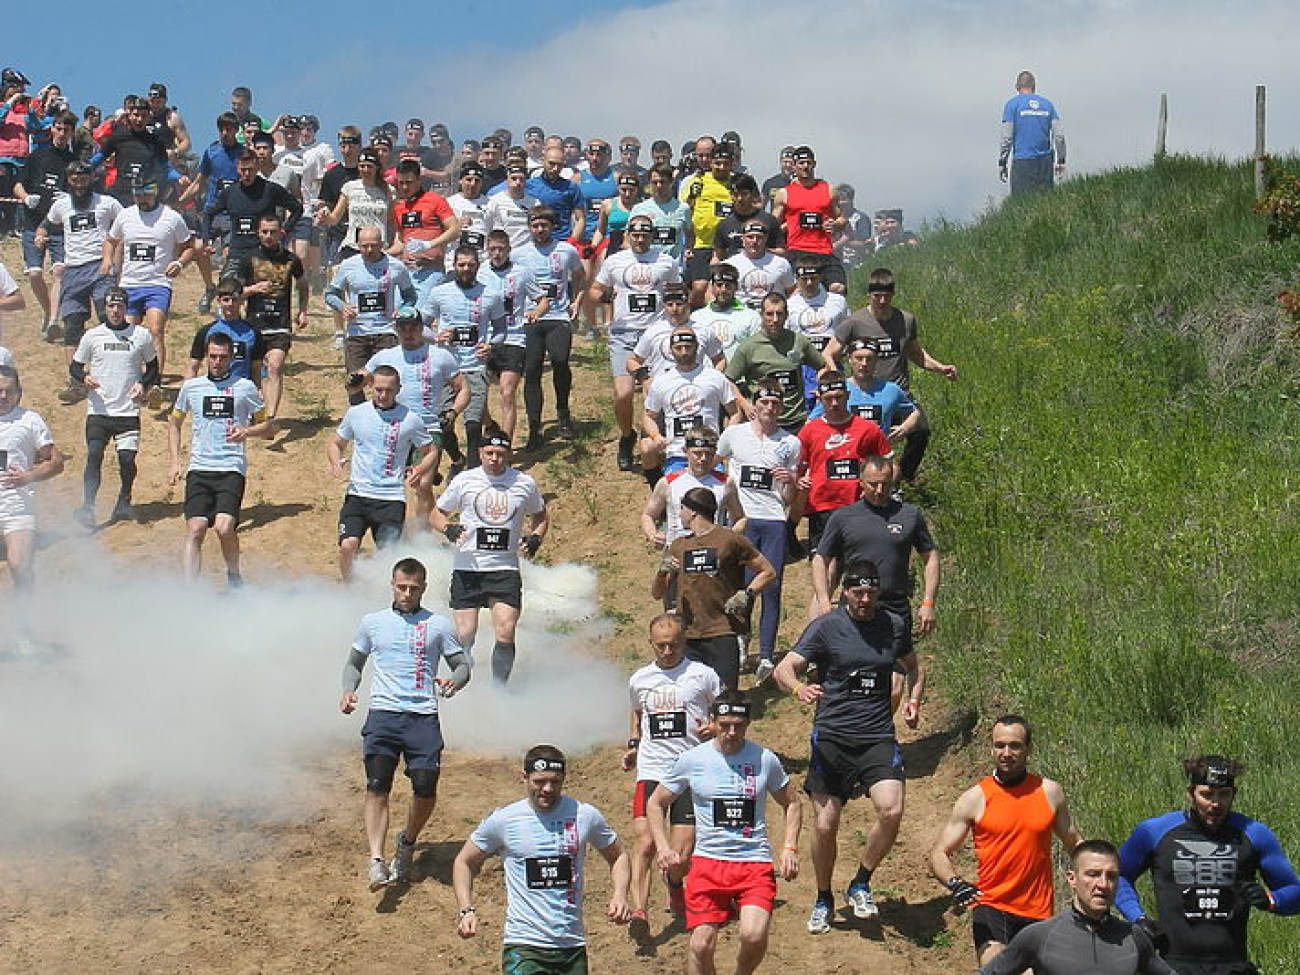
pixel 137 685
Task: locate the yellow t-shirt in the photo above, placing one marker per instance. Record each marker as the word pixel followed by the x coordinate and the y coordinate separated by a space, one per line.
pixel 710 200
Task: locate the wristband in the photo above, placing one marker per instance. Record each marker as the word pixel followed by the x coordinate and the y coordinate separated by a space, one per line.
pixel 466 911
pixel 927 602
pixel 798 688
pixel 633 743
pixel 792 849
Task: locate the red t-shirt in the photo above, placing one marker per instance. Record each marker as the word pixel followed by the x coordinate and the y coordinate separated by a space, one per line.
pixel 834 457
pixel 422 218
pixel 808 217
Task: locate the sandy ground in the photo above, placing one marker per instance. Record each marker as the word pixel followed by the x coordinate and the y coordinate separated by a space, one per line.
pixel 126 884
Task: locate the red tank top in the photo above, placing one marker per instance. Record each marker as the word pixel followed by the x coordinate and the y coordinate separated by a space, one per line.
pixel 1013 847
pixel 808 217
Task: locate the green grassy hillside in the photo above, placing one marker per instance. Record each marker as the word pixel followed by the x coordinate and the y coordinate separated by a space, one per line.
pixel 1115 479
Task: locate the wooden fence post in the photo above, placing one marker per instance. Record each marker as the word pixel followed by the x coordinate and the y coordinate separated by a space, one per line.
pixel 1162 126
pixel 1261 160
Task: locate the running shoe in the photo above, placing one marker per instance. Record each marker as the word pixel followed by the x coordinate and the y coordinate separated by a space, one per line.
pixel 403 859
pixel 676 898
pixel 566 427
pixel 626 461
pixel 379 875
pixel 863 904
pixel 819 919
pixel 52 331
pixel 638 928
pixel 337 343
pixel 763 671
pixel 204 303
pixel 123 511
pixel 85 516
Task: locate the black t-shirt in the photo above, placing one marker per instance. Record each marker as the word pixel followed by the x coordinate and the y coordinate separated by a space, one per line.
pixel 331 184
pixel 44 174
pixel 246 205
pixel 493 177
pixel 726 236
pixel 770 185
pixel 855 666
pixel 272 312
pixel 885 536
pixel 136 152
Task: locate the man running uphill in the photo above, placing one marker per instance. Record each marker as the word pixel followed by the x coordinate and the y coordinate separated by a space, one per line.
pixel 405 641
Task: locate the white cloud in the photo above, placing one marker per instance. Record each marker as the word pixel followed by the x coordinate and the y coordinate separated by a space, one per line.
pixel 901 99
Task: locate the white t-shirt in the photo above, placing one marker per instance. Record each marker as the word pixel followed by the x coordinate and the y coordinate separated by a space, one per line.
pixel 473 226
pixel 687 399
pixel 750 458
pixel 730 326
pixel 655 350
pixel 681 481
pixel 368 206
pixel 672 703
pixel 382 442
pixel 217 407
pixel 316 158
pixel 424 374
pixel 150 241
pixel 817 317
pixel 492 510
pixel 22 435
pixel 638 282
pixel 759 278
pixel 117 359
pixel 504 212
pixel 6 357
pixel 83 230
pixel 406 649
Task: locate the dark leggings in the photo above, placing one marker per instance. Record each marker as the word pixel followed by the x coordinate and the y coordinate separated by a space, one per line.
pixel 769 538
pixel 553 337
pixel 914 448
pixel 96 444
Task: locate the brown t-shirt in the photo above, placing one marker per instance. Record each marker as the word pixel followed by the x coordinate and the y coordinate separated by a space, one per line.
pixel 712 571
pixel 892 336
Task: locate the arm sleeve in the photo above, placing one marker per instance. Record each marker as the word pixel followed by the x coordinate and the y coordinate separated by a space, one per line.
pixel 459 665
pixel 152 374
pixel 1004 141
pixel 1276 869
pixel 77 371
pixel 352 669
pixel 1134 858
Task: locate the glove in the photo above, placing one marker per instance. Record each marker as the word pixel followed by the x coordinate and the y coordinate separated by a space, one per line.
pixel 964 893
pixel 1152 929
pixel 668 564
pixel 1256 896
pixel 739 603
pixel 453 532
pixel 449 419
pixel 532 543
pixel 31 201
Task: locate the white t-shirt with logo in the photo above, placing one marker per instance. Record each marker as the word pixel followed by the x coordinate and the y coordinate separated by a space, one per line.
pixel 492 509
pixel 150 242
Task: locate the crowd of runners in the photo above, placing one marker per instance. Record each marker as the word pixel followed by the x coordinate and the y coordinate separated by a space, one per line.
pixel 774 425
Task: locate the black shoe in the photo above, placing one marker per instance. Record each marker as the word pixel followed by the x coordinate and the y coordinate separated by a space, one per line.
pixel 123 511
pixel 72 393
pixel 566 427
pixel 626 462
pixel 204 304
pixel 534 443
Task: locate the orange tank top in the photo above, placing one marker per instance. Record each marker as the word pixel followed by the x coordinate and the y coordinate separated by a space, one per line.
pixel 1013 847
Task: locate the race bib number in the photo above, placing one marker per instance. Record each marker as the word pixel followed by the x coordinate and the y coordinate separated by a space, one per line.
pixel 219 407
pixel 548 873
pixel 411 218
pixel 551 290
pixel 736 812
pixel 700 560
pixel 464 335
pixel 667 724
pixel 869 411
pixel 664 236
pixel 370 303
pixel 4 460
pixel 81 222
pixel 472 238
pixel 868 683
pixel 759 478
pixel 786 377
pixel 1208 903
pixel 244 226
pixel 810 220
pixel 681 424
pixel 642 304
pixel 886 348
pixel 142 253
pixel 492 539
pixel 51 182
pixel 130 171
pixel 271 307
pixel 842 468
pixel 239 350
pixel 722 208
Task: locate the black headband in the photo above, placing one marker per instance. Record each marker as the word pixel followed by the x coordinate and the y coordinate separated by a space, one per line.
pixel 544 765
pixel 858 580
pixel 495 440
pixel 724 708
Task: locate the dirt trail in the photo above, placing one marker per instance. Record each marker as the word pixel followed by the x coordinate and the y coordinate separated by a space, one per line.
pixel 132 890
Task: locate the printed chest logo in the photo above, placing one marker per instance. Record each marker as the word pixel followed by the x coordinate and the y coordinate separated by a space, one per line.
pixel 493 506
pixel 1204 862
pixel 894 528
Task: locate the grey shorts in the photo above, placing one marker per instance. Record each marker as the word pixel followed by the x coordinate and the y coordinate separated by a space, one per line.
pixel 621 345
pixel 478 389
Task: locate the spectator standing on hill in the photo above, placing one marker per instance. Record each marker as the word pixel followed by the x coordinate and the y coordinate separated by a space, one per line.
pixel 1012 815
pixel 1207 863
pixel 1033 138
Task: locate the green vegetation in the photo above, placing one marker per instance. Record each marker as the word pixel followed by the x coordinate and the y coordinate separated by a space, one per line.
pixel 1115 484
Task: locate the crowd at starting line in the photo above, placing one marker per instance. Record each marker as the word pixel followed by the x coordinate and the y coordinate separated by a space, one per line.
pixel 766 405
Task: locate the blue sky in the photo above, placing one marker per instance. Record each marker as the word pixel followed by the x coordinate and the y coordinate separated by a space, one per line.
pixel 902 99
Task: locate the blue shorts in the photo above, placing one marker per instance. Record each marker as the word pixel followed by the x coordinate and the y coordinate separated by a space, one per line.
pixel 34 257
pixel 140 300
pixel 398 734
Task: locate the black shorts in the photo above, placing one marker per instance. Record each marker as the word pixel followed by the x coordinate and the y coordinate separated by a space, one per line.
pixel 477 590
pixel 832 268
pixel 385 520
pixel 124 431
pixel 278 340
pixel 403 734
pixel 680 813
pixel 817 525
pixel 212 493
pixel 847 770
pixel 1185 966
pixel 722 653
pixel 506 358
pixel 988 924
pixel 698 262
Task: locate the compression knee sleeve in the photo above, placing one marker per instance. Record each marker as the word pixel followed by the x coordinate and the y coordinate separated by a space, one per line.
pixel 473 435
pixel 126 464
pixel 380 770
pixel 424 782
pixel 503 661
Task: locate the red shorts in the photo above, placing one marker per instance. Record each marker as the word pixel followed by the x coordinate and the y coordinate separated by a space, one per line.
pixel 586 250
pixel 680 813
pixel 712 885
